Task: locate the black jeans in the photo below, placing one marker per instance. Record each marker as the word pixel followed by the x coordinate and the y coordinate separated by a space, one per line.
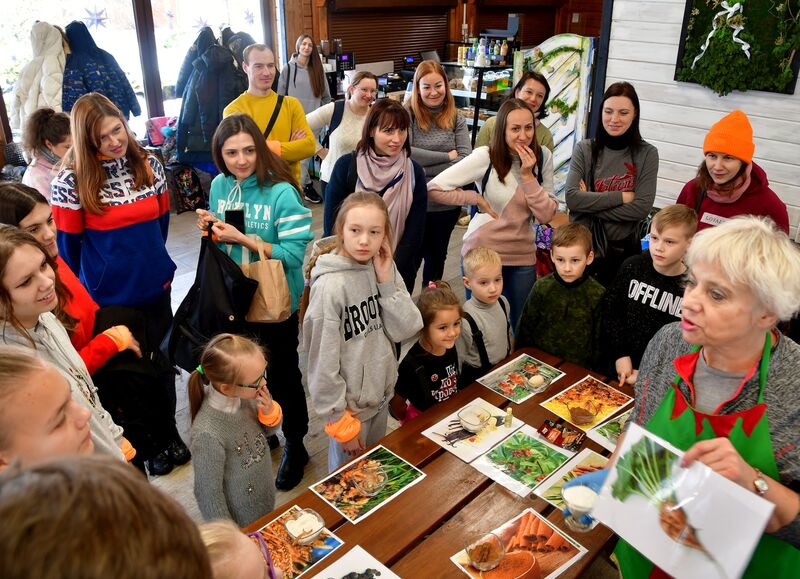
pixel 438 229
pixel 283 373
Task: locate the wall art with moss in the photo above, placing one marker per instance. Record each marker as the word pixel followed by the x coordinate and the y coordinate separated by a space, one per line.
pixel 745 45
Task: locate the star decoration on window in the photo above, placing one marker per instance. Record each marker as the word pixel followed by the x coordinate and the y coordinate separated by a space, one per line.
pixel 96 18
pixel 200 23
pixel 249 17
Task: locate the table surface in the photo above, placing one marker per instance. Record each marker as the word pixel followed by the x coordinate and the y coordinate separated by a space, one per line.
pixel 416 533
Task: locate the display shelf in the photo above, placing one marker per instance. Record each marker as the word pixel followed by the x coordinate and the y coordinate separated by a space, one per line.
pixel 478 100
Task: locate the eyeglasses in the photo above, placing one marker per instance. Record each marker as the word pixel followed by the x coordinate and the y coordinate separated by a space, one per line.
pixel 257 385
pixel 262 544
pixel 372 91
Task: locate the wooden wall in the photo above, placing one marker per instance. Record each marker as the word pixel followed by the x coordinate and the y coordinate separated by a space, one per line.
pixel 378 35
pixel 675 116
pixel 588 12
pixel 298 17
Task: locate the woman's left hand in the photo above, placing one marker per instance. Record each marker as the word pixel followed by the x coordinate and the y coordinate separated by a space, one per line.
pixel 227 233
pixel 527 159
pixel 382 261
pixel 719 455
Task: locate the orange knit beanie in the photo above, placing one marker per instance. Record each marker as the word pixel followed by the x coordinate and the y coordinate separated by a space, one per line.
pixel 732 135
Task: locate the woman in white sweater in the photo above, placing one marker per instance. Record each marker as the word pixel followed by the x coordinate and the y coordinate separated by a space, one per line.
pixel 345 136
pixel 516 175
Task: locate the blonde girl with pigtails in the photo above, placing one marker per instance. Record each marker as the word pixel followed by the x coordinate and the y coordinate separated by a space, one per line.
pixel 233 414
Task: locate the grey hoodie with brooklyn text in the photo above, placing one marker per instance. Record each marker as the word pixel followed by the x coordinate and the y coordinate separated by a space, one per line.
pixel 349 331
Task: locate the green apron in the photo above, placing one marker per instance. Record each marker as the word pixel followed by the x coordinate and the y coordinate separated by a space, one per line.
pixel 677 422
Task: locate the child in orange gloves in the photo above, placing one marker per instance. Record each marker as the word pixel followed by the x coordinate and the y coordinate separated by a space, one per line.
pixel 233 414
pixel 358 309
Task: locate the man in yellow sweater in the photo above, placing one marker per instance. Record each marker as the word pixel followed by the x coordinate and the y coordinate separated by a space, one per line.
pixel 290 137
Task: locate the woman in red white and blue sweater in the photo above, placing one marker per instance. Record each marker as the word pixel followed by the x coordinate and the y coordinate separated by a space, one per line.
pixel 111 207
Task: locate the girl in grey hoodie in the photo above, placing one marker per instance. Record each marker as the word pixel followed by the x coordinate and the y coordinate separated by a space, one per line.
pixel 357 310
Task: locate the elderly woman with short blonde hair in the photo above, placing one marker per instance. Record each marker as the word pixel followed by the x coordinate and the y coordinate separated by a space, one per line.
pixel 722 383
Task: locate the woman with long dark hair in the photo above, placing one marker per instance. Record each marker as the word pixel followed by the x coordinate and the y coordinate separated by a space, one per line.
pixel 262 185
pixel 515 193
pixel 304 79
pixel 382 164
pixel 611 185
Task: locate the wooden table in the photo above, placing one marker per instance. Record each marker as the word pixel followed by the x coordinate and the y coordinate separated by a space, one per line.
pixel 416 533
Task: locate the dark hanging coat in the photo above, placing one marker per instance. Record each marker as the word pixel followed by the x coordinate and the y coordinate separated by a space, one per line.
pixel 91 69
pixel 208 80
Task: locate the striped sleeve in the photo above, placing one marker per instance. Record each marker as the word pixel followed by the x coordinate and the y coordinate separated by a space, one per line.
pixel 292 227
pixel 68 216
pixel 162 192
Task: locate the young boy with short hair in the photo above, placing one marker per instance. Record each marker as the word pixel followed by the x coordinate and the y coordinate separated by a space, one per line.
pixel 561 315
pixel 485 338
pixel 648 292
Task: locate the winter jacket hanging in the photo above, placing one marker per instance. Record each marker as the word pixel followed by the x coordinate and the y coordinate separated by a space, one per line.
pixel 39 83
pixel 92 69
pixel 208 80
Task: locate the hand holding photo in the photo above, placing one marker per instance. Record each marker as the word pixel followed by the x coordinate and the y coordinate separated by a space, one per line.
pixel 680 518
pixel 583 463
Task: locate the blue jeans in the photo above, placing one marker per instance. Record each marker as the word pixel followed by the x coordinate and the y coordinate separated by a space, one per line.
pixel 517 283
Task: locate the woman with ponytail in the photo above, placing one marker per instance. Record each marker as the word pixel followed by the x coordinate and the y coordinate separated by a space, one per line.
pixel 46 139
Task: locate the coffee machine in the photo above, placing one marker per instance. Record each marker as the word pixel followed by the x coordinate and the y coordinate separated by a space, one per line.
pixel 336 61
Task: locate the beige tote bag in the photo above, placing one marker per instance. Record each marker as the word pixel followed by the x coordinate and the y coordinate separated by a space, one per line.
pixel 272 301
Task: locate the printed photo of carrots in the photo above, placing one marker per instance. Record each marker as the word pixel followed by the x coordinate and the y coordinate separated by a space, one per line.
pixel 534 549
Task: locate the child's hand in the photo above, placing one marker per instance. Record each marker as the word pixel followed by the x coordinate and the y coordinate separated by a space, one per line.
pixel 227 233
pixel 382 262
pixel 354 446
pixel 264 400
pixel 625 370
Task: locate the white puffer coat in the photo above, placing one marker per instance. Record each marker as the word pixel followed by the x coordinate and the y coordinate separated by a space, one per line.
pixel 39 84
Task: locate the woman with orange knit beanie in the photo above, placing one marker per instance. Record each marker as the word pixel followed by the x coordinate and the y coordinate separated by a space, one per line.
pixel 728 182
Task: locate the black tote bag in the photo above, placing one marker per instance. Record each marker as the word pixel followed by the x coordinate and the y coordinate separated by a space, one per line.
pixel 216 303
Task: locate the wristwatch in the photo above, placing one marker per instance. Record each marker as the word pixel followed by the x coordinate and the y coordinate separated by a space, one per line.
pixel 760 484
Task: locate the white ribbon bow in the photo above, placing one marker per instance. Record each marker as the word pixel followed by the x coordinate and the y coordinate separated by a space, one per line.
pixel 728 12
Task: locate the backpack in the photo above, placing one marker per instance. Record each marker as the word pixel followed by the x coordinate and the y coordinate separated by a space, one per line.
pixel 185 189
pixel 470 373
pixel 336 120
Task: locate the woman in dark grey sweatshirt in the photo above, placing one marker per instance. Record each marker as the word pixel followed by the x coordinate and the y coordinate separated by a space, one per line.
pixel 439 139
pixel 612 180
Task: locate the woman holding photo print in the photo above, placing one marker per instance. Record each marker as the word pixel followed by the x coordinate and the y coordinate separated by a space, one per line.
pixel 733 403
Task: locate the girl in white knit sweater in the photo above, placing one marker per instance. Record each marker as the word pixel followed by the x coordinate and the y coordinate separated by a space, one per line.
pixel 232 416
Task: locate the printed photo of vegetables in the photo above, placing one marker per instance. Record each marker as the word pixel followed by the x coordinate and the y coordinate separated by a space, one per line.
pixel 608 433
pixel 679 518
pixel 584 462
pixel 532 548
pixel 521 378
pixel 291 557
pixel 587 402
pixel 360 487
pixel 522 461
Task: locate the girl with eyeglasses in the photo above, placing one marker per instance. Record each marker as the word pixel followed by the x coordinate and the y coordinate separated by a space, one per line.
pixel 232 414
pixel 235 554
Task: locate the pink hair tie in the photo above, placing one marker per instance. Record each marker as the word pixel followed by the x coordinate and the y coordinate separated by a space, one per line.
pixel 431 285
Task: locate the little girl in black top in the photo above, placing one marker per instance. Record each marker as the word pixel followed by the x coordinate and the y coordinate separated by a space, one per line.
pixel 429 372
